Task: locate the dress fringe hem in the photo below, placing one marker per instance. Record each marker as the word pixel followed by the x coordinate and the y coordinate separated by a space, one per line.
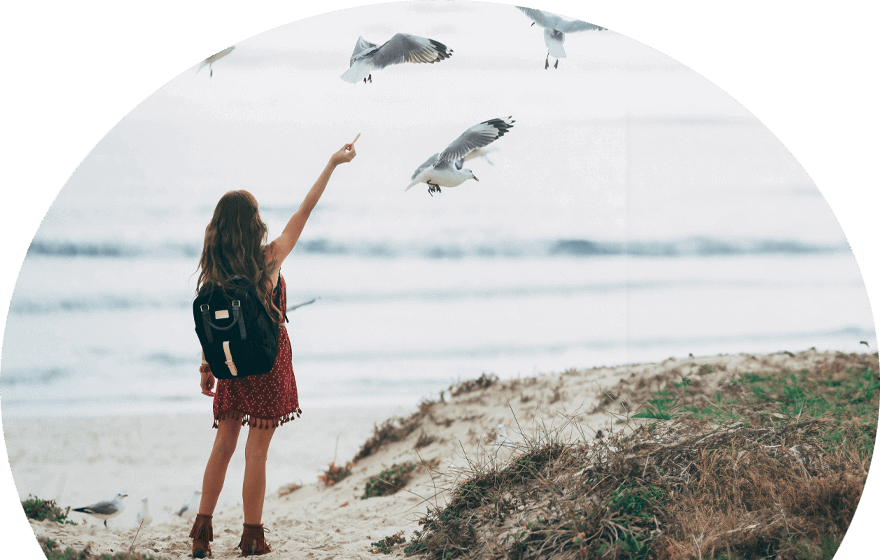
pixel 259 423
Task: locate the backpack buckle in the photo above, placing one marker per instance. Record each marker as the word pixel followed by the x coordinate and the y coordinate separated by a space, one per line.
pixel 204 307
pixel 236 303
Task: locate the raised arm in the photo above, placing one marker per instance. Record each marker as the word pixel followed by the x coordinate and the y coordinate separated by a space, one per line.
pixel 284 244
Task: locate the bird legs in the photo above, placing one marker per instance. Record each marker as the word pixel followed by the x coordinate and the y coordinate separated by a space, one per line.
pixel 547 62
pixel 432 188
pixel 370 78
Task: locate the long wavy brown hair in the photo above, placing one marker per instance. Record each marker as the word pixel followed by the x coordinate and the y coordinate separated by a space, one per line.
pixel 235 243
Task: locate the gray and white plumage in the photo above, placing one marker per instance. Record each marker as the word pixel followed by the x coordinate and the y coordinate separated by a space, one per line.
pixel 446 168
pixel 191 508
pixel 214 58
pixel 144 514
pixel 401 48
pixel 555 29
pixel 105 509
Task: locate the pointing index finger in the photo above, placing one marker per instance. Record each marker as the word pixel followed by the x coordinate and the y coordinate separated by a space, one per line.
pixel 356 138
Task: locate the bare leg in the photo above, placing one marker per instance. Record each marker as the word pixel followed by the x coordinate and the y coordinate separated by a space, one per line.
pixel 253 491
pixel 215 471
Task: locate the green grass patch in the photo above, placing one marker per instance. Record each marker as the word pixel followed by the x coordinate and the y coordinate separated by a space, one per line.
pixel 389 481
pixel 40 510
pixel 849 398
pixel 386 545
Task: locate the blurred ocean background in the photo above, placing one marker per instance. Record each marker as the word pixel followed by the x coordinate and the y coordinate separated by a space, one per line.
pixel 635 212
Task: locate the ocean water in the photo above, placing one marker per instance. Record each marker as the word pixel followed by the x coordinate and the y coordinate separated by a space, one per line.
pixel 415 293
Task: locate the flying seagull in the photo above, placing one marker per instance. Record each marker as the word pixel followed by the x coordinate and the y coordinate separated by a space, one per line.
pixel 445 169
pixel 143 515
pixel 105 509
pixel 865 342
pixel 192 508
pixel 214 58
pixel 401 48
pixel 555 29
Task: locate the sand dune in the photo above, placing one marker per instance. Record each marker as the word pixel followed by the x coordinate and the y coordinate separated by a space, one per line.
pixel 316 521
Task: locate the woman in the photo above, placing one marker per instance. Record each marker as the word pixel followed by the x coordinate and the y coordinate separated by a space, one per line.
pixel 235 244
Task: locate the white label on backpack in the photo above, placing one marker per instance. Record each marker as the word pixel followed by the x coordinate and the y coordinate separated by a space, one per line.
pixel 221 314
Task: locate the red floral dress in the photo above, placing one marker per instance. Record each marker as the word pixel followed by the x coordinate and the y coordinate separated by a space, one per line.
pixel 267 400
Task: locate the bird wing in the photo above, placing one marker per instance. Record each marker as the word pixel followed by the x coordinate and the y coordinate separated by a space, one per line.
pixel 104 507
pixel 219 55
pixel 481 153
pixel 577 25
pixel 477 136
pixel 409 48
pixel 541 18
pixel 359 48
pixel 431 161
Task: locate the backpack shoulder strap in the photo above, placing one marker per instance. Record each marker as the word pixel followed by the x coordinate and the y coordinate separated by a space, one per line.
pixel 240 295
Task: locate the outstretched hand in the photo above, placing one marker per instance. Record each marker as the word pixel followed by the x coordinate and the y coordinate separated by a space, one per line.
pixel 345 154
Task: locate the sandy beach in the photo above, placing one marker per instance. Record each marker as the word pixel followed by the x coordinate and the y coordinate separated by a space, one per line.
pixel 80 461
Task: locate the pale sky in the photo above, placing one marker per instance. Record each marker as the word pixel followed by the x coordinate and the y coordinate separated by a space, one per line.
pixel 276 108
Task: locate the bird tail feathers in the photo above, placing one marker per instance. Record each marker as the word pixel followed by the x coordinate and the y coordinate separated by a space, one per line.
pixel 358 71
pixel 555 48
pixel 411 185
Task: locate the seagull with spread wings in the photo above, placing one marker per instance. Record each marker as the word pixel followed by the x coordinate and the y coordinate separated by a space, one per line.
pixel 399 49
pixel 555 29
pixel 445 169
pixel 209 62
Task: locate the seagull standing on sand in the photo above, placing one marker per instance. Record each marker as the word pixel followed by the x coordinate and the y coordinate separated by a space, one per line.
pixel 397 50
pixel 143 515
pixel 555 29
pixel 189 510
pixel 105 509
pixel 212 59
pixel 445 169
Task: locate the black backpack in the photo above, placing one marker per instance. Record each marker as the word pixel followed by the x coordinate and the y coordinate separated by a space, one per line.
pixel 238 336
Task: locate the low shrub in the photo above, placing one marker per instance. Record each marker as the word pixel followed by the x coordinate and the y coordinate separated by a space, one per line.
pixel 335 474
pixel 389 481
pixel 39 509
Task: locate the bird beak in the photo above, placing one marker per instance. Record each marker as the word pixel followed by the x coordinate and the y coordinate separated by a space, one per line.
pixel 475 179
pixel 125 495
pixel 533 23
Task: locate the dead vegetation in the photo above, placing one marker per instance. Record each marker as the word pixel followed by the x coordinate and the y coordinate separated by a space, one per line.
pixel 702 464
pixel 393 429
pixel 289 488
pixel 335 473
pixel 483 382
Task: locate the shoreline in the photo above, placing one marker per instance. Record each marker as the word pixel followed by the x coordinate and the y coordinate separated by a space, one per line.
pixel 164 458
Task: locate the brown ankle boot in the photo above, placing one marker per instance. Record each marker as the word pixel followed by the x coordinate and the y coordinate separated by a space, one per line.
pixel 202 533
pixel 253 541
